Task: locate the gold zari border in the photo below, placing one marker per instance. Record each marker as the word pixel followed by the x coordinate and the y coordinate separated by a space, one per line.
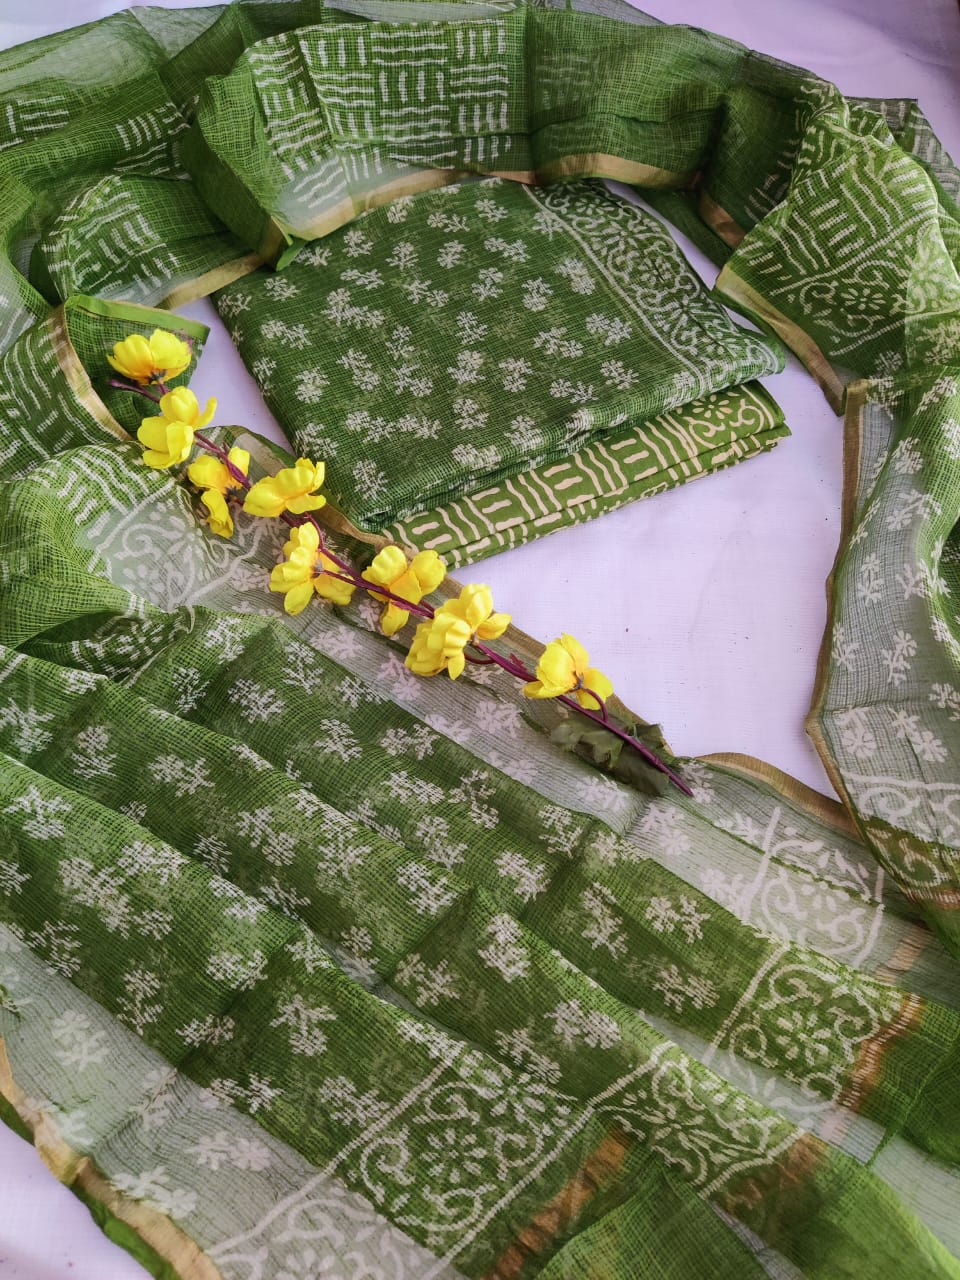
pixel 75 1170
pixel 820 368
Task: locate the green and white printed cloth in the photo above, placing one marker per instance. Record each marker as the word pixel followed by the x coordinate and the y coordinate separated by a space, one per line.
pixel 446 344
pixel 309 961
pixel 309 967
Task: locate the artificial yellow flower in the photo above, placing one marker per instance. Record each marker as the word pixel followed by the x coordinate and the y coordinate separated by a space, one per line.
pixel 333 589
pixel 161 356
pixel 563 668
pixel 413 581
pixel 298 577
pixel 213 476
pixel 168 438
pixel 218 513
pixel 439 643
pixel 291 489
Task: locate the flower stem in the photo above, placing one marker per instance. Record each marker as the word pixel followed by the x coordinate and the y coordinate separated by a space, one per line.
pixel 645 752
pixel 512 664
pixel 128 386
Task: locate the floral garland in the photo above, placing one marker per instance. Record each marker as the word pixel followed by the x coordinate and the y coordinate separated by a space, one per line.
pixel 447 637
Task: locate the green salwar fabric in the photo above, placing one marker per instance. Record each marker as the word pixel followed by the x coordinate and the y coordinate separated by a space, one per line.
pixel 620 467
pixel 309 967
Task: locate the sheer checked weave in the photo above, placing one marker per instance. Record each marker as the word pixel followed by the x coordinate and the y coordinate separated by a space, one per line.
pixel 282 917
pixel 449 342
pixel 310 967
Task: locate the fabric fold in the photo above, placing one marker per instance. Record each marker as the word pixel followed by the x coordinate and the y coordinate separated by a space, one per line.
pixel 485 334
pixel 420 986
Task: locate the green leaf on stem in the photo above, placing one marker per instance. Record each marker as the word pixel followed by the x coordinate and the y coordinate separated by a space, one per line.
pixel 603 749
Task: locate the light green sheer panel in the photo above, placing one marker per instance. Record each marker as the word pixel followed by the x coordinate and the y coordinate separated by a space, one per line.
pixel 892 727
pixel 884 296
pixel 360 910
pixel 885 705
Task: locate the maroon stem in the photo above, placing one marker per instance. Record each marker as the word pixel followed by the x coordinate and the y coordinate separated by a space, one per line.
pixel 516 668
pixel 126 386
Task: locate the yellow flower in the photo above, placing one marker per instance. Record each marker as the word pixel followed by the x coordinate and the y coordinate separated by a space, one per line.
pixel 438 644
pixel 213 476
pixel 413 581
pixel 218 512
pixel 168 438
pixel 291 489
pixel 298 577
pixel 161 356
pixel 333 589
pixel 563 669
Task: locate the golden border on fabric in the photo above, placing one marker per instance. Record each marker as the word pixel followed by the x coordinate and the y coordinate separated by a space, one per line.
pixel 210 281
pixel 135 312
pixel 906 955
pixel 718 220
pixel 800 342
pixel 814 802
pixel 796 1166
pixel 277 237
pixel 77 378
pixel 332 518
pixel 600 164
pixel 852 443
pixel 868 1067
pixel 537 1233
pixel 72 1168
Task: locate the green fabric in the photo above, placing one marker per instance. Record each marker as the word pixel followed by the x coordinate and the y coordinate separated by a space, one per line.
pixel 633 462
pixel 340 971
pixel 663 101
pixel 449 343
pixel 311 920
pixel 901 308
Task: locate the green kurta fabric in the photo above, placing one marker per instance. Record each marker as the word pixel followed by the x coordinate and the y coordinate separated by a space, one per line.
pixel 446 344
pixel 311 967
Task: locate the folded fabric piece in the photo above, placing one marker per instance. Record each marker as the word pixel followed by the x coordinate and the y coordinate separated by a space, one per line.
pixel 313 126
pixel 634 462
pixel 887 295
pixel 889 730
pixel 445 343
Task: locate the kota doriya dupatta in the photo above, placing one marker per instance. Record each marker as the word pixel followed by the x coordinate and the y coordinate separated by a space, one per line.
pixel 311 968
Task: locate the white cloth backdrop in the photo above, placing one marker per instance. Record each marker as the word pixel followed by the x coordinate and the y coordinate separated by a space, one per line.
pixel 705 605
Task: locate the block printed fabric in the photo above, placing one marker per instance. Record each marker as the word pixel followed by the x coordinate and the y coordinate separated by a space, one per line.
pixel 311 968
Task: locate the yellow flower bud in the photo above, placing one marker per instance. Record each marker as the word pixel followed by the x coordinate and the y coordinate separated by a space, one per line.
pixel 168 438
pixel 389 568
pixel 220 520
pixel 307 570
pixel 563 669
pixel 165 443
pixel 439 643
pixel 214 477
